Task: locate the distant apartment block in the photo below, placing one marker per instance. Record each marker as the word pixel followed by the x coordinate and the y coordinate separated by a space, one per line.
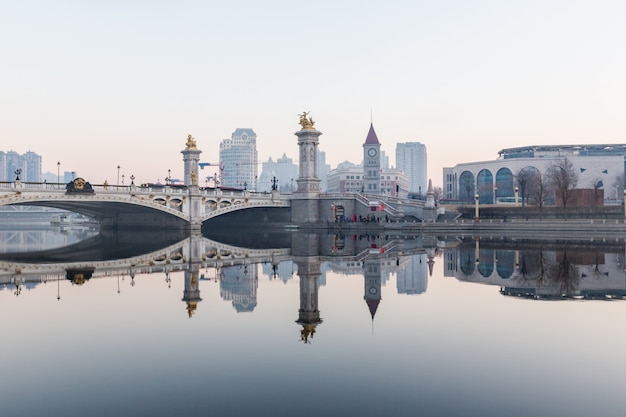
pixel 239 160
pixel 28 164
pixel 283 169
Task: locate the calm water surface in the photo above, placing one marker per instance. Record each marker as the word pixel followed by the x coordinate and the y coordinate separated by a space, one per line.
pixel 346 329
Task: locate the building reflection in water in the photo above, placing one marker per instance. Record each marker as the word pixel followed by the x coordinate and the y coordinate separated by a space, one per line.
pixel 588 270
pixel 536 270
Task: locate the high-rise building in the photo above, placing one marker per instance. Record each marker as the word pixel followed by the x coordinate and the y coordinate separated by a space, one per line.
pixel 411 159
pixel 31 170
pixel 239 159
pixel 28 164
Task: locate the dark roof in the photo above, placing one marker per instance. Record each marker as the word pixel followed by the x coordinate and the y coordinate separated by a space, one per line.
pixel 372 139
pixel 373 306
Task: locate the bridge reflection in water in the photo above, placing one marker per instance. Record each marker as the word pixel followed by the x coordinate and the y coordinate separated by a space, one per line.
pixel 535 270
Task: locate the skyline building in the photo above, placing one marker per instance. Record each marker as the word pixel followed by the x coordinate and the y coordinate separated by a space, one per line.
pixel 239 160
pixel 348 178
pixel 411 158
pixel 283 169
pixel 28 163
pixel 495 181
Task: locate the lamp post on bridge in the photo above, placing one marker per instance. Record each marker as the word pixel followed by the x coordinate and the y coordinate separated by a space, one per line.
pixel 118 176
pixel 59 174
pixel 122 179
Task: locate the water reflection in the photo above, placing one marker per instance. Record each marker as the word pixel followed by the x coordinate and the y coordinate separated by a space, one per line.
pixel 541 269
pixel 265 326
pixel 532 269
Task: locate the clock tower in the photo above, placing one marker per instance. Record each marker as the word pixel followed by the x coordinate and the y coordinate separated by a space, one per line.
pixel 371 163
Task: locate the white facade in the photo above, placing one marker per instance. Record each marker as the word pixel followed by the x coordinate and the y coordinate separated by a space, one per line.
pixel 349 178
pixel 411 159
pixel 494 179
pixel 239 160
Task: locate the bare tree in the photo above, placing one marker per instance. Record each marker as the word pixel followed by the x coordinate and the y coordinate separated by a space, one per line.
pixel 597 184
pixel 562 179
pixel 437 194
pixel 538 189
pixel 523 179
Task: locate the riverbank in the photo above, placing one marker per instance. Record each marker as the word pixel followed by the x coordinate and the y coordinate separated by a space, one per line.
pixel 592 228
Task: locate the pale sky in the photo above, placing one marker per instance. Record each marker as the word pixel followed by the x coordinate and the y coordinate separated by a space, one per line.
pixel 97 84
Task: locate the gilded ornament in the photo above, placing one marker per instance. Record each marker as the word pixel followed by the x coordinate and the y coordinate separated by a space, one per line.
pixel 307 123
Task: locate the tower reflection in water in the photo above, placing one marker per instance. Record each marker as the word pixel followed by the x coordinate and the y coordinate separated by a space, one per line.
pixel 536 270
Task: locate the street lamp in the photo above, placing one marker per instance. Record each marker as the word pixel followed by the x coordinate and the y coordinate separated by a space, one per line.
pixel 118 176
pixel 122 179
pixel 476 210
pixel 59 174
pixel 516 195
pixel 132 179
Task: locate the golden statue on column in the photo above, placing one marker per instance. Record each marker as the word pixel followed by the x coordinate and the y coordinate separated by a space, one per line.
pixel 191 142
pixel 307 123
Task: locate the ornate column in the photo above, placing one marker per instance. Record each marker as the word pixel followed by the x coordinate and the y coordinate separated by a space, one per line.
pixel 308 140
pixel 191 158
pixel 305 202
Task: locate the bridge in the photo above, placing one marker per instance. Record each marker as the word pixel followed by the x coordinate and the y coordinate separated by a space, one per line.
pixel 140 205
pixel 190 206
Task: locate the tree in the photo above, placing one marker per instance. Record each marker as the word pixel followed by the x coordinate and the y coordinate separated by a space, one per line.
pixel 562 179
pixel 597 184
pixel 538 189
pixel 526 183
pixel 437 194
pixel 523 178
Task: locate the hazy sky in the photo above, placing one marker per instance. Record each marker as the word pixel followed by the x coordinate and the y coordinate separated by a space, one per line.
pixel 96 84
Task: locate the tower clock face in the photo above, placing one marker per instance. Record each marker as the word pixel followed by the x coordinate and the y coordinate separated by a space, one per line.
pixel 371 152
pixel 373 290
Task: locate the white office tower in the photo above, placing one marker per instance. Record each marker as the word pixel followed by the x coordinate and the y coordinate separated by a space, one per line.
pixel 411 159
pixel 239 160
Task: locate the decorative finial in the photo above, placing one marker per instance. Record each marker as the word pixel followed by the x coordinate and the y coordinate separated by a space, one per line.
pixel 306 123
pixel 191 142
